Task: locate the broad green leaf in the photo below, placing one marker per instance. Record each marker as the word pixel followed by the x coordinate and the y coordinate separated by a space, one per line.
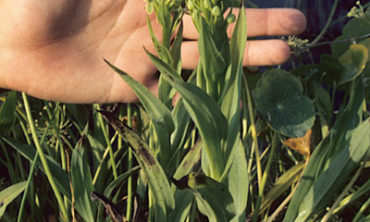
pixel 354 62
pixel 9 194
pixel 238 181
pixel 205 113
pixel 82 184
pixel 279 98
pixel 282 184
pixel 7 111
pixel 28 152
pixel 159 114
pixel 154 173
pixel 334 143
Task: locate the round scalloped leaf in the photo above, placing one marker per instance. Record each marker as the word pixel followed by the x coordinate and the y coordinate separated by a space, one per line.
pixel 279 98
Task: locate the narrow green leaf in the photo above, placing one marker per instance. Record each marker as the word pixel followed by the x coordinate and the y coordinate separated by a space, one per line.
pixel 153 171
pixel 9 194
pixel 82 184
pixel 119 181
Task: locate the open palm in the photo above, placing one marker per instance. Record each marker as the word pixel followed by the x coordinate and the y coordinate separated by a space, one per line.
pixel 54 49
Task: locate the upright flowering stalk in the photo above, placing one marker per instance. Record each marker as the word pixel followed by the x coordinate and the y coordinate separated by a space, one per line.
pixel 208 18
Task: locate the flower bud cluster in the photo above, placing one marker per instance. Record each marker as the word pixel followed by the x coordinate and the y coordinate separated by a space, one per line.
pixel 357 11
pixel 211 7
pixel 172 5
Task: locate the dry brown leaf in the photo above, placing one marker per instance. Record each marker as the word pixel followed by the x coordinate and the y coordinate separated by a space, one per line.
pixel 301 144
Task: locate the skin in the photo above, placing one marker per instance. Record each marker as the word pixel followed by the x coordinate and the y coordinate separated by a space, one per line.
pixel 54 50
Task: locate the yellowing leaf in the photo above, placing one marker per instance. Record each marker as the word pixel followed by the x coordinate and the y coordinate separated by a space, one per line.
pixel 301 144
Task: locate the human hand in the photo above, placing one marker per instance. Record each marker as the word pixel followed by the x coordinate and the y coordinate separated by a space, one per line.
pixel 54 50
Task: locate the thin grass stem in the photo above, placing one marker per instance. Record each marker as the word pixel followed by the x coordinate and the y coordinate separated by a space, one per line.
pixel 43 158
pixel 129 166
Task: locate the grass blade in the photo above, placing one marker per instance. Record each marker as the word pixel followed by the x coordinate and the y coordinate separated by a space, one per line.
pixel 9 194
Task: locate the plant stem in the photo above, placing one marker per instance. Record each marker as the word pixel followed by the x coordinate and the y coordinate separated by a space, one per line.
pixel 43 158
pixel 323 31
pixel 107 140
pixel 265 175
pixel 129 166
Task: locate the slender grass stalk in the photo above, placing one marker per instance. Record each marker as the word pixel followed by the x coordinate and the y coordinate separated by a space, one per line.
pixel 341 196
pixel 106 137
pixel 327 25
pixel 129 166
pixel 254 133
pixel 43 158
pixel 265 176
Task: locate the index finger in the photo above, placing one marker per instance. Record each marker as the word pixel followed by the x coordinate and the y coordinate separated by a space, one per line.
pixel 261 22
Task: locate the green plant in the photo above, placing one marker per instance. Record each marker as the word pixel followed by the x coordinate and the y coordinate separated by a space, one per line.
pixel 217 154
